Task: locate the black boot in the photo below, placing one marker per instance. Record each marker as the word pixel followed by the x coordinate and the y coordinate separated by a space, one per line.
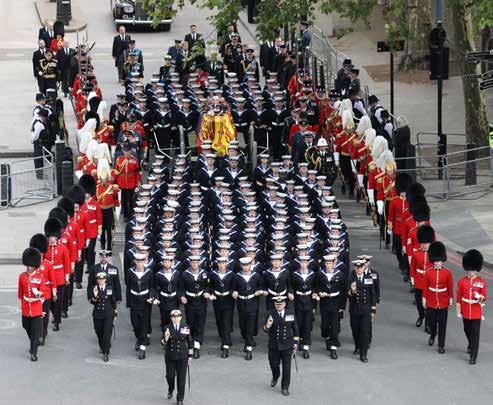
pixel 34 357
pixel 441 350
pixel 431 341
pixel 106 358
pixel 224 353
pixel 42 341
pixel 56 327
pixel 419 322
pixel 170 394
pixel 64 314
pixel 142 354
pixel 327 344
pixel 472 360
pixel 306 354
pixel 248 355
pixel 78 286
pixel 333 354
pixel 196 353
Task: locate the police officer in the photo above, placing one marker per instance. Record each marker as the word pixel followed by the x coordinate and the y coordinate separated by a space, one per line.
pixel 178 354
pixel 281 325
pixel 362 308
pixel 104 312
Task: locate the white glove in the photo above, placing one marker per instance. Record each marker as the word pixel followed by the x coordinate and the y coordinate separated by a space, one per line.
pixel 371 196
pixel 451 301
pixel 412 281
pixel 354 165
pixel 389 232
pixel 424 302
pixel 336 158
pixel 380 207
pixel 459 315
pixel 360 180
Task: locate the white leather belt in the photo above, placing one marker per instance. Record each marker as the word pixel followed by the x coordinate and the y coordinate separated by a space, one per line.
pixel 470 301
pixel 92 221
pixel 246 297
pixel 420 271
pixel 334 294
pixel 303 293
pixel 31 299
pixel 58 266
pixel 166 294
pixel 276 293
pixel 194 294
pixel 221 294
pixel 437 290
pixel 139 293
pixel 163 126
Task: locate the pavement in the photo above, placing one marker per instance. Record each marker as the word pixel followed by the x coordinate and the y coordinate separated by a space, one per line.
pixel 402 368
pixel 46 10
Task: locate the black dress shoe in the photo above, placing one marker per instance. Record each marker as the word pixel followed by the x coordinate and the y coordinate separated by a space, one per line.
pixel 405 279
pixel 441 350
pixel 364 359
pixel 333 354
pixel 34 357
pixel 411 290
pixel 64 314
pixel 170 394
pixel 273 383
pixel 356 351
pixel 224 353
pixel 179 402
pixel 285 392
pixel 468 349
pixel 196 353
pixel 56 327
pixel 106 358
pixel 142 354
pixel 306 354
pixel 419 322
pixel 248 355
pixel 472 360
pixel 431 341
pixel 42 341
pixel 427 329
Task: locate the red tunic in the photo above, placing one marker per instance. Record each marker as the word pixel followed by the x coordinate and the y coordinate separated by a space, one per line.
pixel 127 172
pixel 95 219
pixel 385 187
pixel 419 266
pixel 59 258
pixel 344 142
pixel 82 221
pixel 82 161
pixel 49 276
pixel 438 288
pixel 469 292
pixel 105 134
pixel 71 246
pixel 107 195
pixel 398 213
pixel 31 291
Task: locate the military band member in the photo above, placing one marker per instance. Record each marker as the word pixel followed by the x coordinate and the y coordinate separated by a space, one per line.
pixel 438 294
pixel 178 344
pixel 195 293
pixel 362 308
pixel 280 324
pixel 31 290
pixel 103 298
pixel 471 297
pixel 107 196
pixel 331 285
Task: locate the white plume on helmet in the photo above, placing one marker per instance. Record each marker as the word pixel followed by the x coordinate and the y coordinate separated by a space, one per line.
pixel 370 135
pixel 103 168
pixel 91 149
pixel 346 105
pixel 363 125
pixel 385 159
pixel 380 145
pixel 103 106
pixel 84 141
pixel 347 119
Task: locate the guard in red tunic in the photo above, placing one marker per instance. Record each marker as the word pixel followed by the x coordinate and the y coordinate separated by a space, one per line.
pixel 107 196
pixel 127 175
pixel 471 296
pixel 39 242
pixel 438 294
pixel 59 258
pixel 398 213
pixel 386 192
pixel 420 264
pixel 31 293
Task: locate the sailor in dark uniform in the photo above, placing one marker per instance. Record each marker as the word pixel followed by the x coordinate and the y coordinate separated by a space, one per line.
pixel 166 285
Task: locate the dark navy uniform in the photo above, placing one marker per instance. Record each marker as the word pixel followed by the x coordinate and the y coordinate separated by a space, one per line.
pixel 304 287
pixel 222 289
pixel 103 315
pixel 166 285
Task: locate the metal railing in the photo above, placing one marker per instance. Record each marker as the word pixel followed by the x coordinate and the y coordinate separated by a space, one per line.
pixel 22 183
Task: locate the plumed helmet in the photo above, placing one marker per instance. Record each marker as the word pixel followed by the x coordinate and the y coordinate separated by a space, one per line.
pixel 53 227
pixel 31 257
pixel 402 182
pixel 421 211
pixel 347 119
pixel 39 241
pixel 472 260
pixel 88 183
pixel 363 124
pixel 380 145
pixel 426 234
pixel 346 105
pixel 93 115
pixel 437 252
pixel 85 138
pixel 67 204
pixel 370 135
pixel 91 149
pixel 386 161
pixel 77 194
pixel 59 214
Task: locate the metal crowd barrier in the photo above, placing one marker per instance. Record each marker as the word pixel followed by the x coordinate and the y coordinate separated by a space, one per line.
pixel 22 184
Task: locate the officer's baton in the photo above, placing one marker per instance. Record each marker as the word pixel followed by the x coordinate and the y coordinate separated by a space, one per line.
pixel 189 383
pixel 295 361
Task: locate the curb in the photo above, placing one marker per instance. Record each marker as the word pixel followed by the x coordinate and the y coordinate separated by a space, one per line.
pixel 82 25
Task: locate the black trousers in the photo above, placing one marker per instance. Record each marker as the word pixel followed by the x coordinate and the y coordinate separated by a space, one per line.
pixel 360 328
pixel 46 317
pixel 32 326
pixel 275 143
pixel 401 259
pixel 305 324
pixel 127 202
pixel 64 80
pixel 276 357
pixel 38 159
pixel 196 313
pixel 90 255
pixel 471 329
pixel 107 231
pixel 103 328
pixel 140 319
pixel 437 319
pixel 223 312
pixel 382 220
pixel 56 307
pixel 176 368
pixel 248 322
pixel 347 172
pixel 330 326
pixel 68 293
pixel 163 141
pixel 79 267
pixel 418 296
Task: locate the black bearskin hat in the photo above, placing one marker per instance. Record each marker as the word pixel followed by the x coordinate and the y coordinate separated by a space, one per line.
pixel 402 182
pixel 67 204
pixel 59 214
pixel 472 260
pixel 421 211
pixel 31 257
pixel 88 183
pixel 53 227
pixel 77 194
pixel 437 252
pixel 426 234
pixel 39 241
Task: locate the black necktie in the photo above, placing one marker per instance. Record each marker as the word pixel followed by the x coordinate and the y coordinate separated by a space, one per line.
pixel 280 315
pixel 66 51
